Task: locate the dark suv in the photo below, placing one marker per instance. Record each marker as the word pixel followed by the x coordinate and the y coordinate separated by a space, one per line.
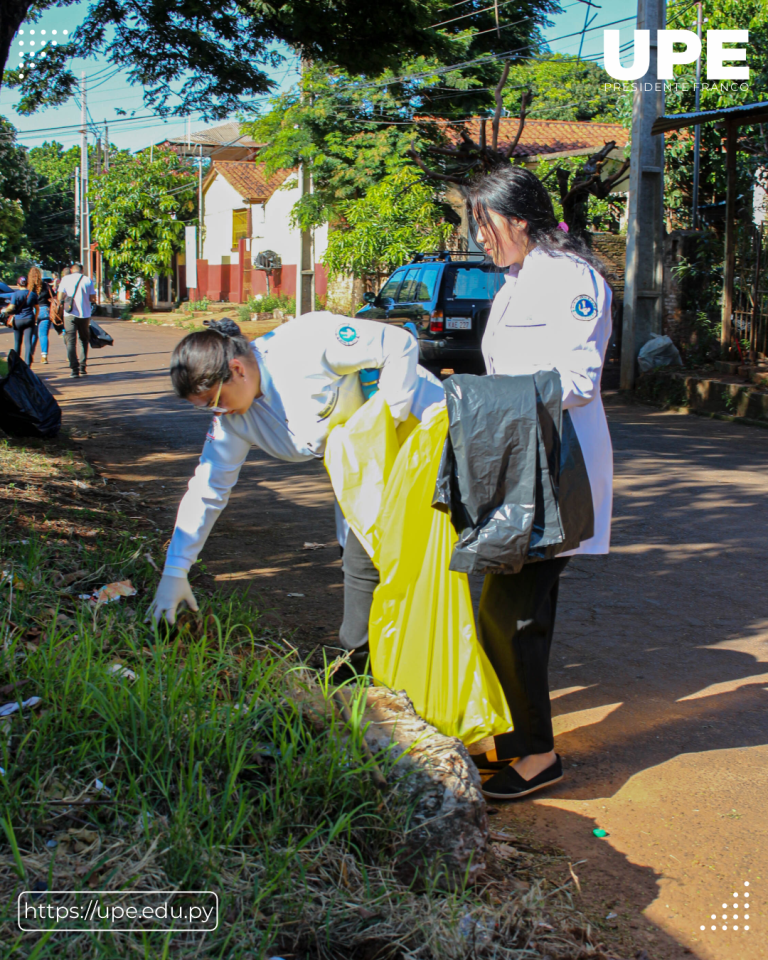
pixel 447 297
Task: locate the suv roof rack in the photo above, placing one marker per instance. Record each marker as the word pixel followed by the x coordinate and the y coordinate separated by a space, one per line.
pixel 447 255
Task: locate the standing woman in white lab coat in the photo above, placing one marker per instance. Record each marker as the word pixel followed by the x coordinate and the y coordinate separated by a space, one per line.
pixel 553 313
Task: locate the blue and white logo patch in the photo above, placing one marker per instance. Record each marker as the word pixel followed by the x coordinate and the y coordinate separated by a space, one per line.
pixel 584 308
pixel 347 334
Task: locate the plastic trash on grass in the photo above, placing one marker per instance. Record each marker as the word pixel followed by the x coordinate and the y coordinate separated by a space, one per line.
pixel 110 592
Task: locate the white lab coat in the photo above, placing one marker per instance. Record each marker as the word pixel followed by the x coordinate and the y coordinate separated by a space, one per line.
pixel 309 380
pixel 554 313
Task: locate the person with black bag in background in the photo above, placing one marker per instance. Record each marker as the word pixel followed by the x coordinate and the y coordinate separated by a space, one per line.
pixel 77 293
pixel 21 314
pixel 553 313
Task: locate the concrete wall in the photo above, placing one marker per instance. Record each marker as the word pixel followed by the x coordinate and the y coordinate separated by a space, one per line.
pixel 220 200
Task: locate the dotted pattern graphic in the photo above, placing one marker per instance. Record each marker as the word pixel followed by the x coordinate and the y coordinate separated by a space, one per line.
pixel 37 44
pixel 738 920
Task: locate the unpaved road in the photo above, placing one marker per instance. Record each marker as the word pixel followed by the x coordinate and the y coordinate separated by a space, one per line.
pixel 660 660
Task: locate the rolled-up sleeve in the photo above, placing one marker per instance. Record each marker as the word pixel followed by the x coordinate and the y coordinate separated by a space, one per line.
pixel 208 493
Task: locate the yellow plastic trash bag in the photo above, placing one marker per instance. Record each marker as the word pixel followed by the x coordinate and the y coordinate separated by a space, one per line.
pixel 421 630
pixel 359 456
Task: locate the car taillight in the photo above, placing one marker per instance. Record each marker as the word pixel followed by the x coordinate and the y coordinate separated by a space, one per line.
pixel 436 322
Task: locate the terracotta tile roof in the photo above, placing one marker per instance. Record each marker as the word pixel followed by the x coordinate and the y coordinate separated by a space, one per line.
pixel 249 179
pixel 224 135
pixel 551 136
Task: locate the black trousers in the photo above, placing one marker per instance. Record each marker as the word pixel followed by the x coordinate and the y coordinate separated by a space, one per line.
pixel 515 626
pixel 360 580
pixel 77 328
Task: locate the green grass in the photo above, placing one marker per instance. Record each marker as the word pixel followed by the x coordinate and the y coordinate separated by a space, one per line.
pixel 3 368
pixel 215 777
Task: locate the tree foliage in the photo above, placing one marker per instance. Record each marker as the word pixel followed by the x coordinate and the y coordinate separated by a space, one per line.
pixel 562 88
pixel 396 217
pixel 17 185
pixel 49 224
pixel 208 57
pixel 751 15
pixel 139 210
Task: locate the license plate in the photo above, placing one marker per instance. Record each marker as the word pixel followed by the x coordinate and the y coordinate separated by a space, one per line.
pixel 458 323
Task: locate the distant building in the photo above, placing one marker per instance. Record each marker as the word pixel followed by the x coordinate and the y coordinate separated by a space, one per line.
pixel 246 213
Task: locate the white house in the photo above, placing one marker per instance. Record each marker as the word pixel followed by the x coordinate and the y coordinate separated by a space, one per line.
pixel 245 213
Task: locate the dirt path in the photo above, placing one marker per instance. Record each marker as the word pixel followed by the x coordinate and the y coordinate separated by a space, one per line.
pixel 660 662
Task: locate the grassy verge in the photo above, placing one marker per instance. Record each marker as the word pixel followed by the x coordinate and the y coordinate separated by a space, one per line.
pixel 180 761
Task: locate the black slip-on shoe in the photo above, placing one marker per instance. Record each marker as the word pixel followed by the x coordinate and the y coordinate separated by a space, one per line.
pixel 509 785
pixel 484 765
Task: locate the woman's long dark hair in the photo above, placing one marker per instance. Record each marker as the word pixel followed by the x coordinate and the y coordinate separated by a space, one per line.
pixel 201 360
pixel 517 194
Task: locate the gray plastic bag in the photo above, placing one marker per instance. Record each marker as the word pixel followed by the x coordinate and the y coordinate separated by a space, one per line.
pixel 658 352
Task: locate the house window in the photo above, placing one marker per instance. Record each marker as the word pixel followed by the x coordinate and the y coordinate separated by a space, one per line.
pixel 239 226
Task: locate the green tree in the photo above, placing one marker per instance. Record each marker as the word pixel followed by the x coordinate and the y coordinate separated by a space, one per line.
pixel 49 222
pixel 17 185
pixel 751 15
pixel 139 210
pixel 395 218
pixel 209 56
pixel 562 88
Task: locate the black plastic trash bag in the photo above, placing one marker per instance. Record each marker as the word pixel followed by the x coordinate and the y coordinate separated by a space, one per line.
pixel 27 406
pixel 99 337
pixel 512 474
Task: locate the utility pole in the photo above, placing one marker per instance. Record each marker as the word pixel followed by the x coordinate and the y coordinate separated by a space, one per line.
pixel 106 147
pixel 85 226
pixel 77 201
pixel 200 211
pixel 305 267
pixel 643 300
pixel 697 139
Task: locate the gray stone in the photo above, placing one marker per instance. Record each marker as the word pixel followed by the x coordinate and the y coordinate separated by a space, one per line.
pixel 449 826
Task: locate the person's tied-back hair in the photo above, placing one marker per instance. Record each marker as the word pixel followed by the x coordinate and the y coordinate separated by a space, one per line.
pixel 517 194
pixel 201 360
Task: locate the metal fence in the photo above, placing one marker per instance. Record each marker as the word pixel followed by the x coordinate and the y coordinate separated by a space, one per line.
pixel 750 296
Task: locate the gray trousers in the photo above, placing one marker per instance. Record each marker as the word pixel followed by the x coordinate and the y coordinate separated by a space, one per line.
pixel 74 328
pixel 360 580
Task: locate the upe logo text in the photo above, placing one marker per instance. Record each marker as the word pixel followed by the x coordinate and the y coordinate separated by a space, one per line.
pixel 717 53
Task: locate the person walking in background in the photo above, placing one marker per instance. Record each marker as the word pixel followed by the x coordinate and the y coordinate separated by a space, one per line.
pixel 21 313
pixel 44 298
pixel 77 293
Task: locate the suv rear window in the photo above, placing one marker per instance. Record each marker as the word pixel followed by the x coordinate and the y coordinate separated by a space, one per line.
pixel 473 283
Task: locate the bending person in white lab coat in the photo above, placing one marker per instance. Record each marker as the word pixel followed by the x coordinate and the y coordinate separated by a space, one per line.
pixel 553 313
pixel 284 392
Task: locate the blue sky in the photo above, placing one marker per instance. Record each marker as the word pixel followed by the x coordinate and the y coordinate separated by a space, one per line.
pixel 109 89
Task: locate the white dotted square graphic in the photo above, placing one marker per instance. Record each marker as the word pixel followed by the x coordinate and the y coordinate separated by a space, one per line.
pixel 739 901
pixel 29 57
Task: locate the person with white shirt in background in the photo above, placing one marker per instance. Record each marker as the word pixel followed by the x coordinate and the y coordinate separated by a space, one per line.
pixel 77 293
pixel 553 313
pixel 284 392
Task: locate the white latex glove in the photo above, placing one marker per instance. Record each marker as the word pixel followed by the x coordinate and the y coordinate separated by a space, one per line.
pixel 172 590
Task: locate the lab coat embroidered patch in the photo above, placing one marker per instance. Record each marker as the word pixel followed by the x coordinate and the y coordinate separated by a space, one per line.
pixel 215 431
pixel 584 307
pixel 347 334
